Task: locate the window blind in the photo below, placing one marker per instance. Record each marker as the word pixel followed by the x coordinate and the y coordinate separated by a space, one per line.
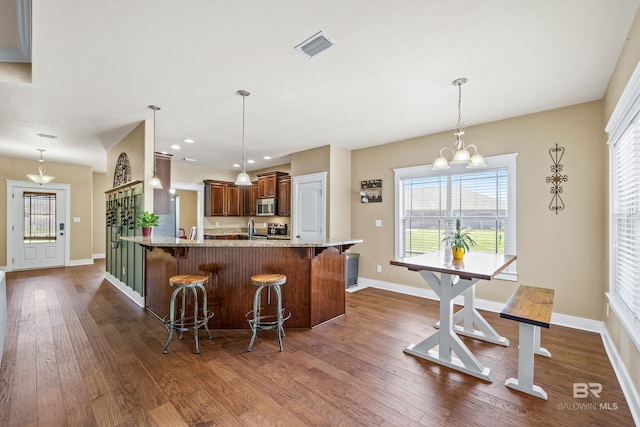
pixel 626 216
pixel 39 217
pixel 430 205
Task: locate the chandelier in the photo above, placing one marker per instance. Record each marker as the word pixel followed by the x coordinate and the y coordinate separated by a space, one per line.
pixel 40 178
pixel 461 155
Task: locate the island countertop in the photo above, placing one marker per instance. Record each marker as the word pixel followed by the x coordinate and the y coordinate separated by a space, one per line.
pixel 160 241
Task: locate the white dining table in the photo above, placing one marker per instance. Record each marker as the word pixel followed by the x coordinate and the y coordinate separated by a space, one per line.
pixel 457 277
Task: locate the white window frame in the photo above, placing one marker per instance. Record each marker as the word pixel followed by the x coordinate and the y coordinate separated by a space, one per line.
pixel 502 161
pixel 626 110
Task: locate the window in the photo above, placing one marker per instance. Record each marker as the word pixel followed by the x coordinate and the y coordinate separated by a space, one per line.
pixel 429 202
pixel 624 208
pixel 39 217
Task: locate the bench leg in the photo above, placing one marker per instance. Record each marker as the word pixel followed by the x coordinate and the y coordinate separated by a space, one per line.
pixel 524 382
pixel 537 349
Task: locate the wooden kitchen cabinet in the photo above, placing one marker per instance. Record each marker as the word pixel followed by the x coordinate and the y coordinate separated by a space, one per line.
pixel 161 196
pixel 222 199
pixel 284 196
pixel 268 184
pixel 249 198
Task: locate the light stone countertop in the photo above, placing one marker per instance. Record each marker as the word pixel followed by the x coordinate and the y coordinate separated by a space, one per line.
pixel 258 243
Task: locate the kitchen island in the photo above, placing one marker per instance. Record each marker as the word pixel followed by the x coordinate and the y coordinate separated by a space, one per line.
pixel 315 270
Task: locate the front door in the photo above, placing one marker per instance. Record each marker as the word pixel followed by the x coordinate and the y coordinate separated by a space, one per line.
pixel 38 228
pixel 309 206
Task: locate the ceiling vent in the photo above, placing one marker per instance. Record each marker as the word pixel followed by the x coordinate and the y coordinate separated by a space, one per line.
pixel 315 45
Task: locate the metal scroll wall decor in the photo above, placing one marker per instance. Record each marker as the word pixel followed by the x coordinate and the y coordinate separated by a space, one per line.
pixel 122 172
pixel 556 179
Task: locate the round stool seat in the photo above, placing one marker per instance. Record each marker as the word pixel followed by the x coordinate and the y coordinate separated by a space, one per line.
pixel 188 279
pixel 188 285
pixel 268 279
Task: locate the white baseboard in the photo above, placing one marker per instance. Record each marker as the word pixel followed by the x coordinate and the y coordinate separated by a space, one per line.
pixel 628 388
pixel 99 256
pixel 133 295
pixel 77 262
pixel 496 307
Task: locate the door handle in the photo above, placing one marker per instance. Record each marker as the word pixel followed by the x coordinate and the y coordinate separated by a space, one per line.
pixel 61 227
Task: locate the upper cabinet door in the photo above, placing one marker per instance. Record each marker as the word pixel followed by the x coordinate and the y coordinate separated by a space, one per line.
pixel 284 196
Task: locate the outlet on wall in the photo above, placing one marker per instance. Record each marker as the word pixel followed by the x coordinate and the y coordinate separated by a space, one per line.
pixel 379 268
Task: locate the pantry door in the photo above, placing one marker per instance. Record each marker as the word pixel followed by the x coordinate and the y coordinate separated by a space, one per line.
pixel 309 206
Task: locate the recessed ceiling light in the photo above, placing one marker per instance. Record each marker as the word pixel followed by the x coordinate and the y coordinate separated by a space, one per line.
pixel 175 147
pixel 189 141
pixel 46 135
pixel 267 157
pixel 251 161
pixel 235 165
pixel 187 159
pixel 163 152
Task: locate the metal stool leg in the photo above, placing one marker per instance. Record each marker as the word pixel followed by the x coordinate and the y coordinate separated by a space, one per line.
pixel 256 316
pixel 279 315
pixel 195 318
pixel 205 309
pixel 182 311
pixel 171 319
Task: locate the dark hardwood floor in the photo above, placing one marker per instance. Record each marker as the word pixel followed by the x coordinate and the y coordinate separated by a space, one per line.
pixel 80 353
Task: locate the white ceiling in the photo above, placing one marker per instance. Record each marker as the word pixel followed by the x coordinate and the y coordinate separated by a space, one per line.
pixel 98 65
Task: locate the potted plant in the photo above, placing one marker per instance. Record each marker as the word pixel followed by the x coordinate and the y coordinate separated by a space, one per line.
pixel 460 240
pixel 147 220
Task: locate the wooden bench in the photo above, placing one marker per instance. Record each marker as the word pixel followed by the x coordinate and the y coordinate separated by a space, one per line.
pixel 531 306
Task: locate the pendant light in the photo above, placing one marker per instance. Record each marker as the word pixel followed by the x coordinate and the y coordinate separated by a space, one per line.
pixel 154 182
pixel 41 178
pixel 461 155
pixel 243 179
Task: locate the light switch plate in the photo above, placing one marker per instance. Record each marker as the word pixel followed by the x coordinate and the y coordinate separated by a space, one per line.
pixel 378 223
pixel 76 219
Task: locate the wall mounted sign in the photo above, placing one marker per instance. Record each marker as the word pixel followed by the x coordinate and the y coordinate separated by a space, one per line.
pixel 122 172
pixel 371 191
pixel 556 179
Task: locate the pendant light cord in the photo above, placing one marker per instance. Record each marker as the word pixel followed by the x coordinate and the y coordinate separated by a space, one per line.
pixel 244 97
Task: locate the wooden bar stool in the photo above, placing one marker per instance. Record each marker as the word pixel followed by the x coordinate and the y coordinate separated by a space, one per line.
pixel 256 318
pixel 188 284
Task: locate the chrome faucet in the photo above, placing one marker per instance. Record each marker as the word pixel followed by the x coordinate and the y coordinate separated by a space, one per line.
pixel 251 228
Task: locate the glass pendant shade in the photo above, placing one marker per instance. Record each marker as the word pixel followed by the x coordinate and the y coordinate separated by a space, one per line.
pixel 462 156
pixel 243 179
pixel 154 182
pixel 441 163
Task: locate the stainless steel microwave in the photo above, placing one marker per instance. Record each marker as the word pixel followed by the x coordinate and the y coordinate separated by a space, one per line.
pixel 266 207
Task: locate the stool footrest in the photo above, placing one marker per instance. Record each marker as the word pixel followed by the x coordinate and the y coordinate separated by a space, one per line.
pixel 188 324
pixel 267 321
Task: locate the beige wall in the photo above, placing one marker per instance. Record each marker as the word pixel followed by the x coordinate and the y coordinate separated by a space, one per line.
pixel 134 146
pixel 339 208
pixel 80 178
pixel 188 209
pixel 565 252
pixel 336 161
pixel 100 185
pixel 627 62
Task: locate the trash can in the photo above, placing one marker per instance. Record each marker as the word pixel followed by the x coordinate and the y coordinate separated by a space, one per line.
pixel 351 270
